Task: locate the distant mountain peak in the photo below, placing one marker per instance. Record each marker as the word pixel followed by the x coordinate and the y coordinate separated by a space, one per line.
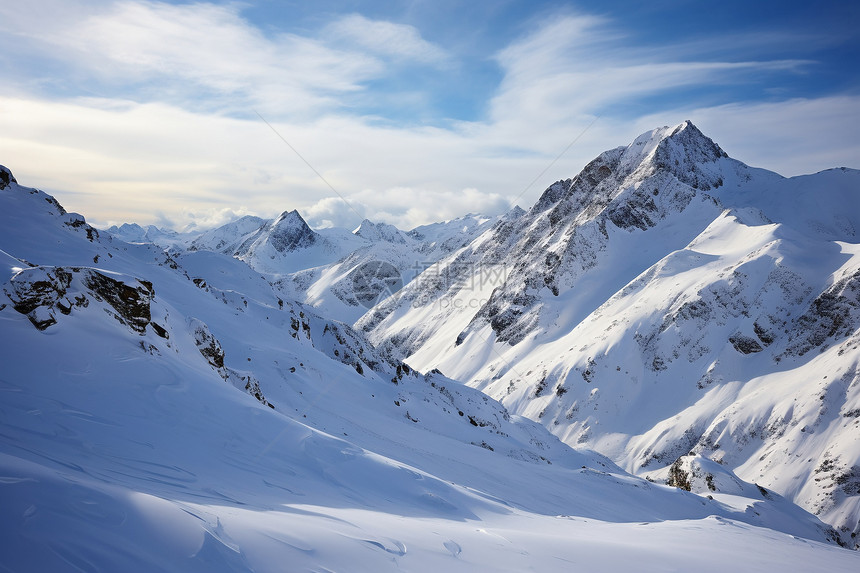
pixel 514 213
pixel 290 232
pixel 379 232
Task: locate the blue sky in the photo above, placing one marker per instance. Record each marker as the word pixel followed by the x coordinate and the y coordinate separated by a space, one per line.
pixel 412 111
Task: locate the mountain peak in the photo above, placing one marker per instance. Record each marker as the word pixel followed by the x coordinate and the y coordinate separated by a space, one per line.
pixel 692 140
pixel 363 227
pixel 681 152
pixel 676 149
pixel 514 213
pixel 290 232
pixel 379 232
pixel 290 218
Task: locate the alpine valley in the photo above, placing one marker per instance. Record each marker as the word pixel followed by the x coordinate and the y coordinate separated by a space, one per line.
pixel 655 367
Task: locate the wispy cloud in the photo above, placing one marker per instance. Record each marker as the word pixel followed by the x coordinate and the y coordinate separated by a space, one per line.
pixel 203 56
pixel 398 42
pixel 578 65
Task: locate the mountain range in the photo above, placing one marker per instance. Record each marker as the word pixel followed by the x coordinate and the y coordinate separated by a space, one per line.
pixel 655 363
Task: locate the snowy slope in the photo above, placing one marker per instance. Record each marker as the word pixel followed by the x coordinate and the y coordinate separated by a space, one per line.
pixel 668 299
pixel 175 414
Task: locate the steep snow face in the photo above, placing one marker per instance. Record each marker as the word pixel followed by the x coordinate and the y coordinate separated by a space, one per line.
pixel 175 414
pixel 667 299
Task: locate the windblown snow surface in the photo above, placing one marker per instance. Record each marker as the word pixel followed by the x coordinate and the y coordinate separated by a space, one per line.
pixel 164 411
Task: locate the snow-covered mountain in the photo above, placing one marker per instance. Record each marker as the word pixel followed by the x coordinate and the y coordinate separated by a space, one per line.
pixel 173 412
pixel 337 272
pixel 280 246
pixel 229 237
pixel 667 302
pixel 134 233
pixel 387 259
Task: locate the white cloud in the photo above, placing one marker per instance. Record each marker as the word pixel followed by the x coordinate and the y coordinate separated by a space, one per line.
pixel 201 220
pixel 116 162
pixel 334 212
pixel 577 65
pixel 388 39
pixel 201 56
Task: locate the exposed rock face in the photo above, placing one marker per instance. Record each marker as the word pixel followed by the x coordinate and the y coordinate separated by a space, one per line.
pixel 131 302
pixel 745 344
pixel 206 343
pixel 833 315
pixel 290 232
pixel 41 292
pixel 77 221
pixel 37 293
pixel 380 232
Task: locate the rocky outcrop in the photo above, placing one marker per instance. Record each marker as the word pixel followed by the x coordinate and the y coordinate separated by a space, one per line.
pixel 207 344
pixel 6 178
pixel 41 293
pixel 129 301
pixel 380 232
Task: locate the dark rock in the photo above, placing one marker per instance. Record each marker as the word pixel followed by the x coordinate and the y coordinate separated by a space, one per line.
pixel 160 330
pixel 131 303
pixel 207 344
pixel 745 344
pixel 678 477
pixel 835 313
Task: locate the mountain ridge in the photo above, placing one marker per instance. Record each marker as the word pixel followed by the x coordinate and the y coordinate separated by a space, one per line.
pixel 629 276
